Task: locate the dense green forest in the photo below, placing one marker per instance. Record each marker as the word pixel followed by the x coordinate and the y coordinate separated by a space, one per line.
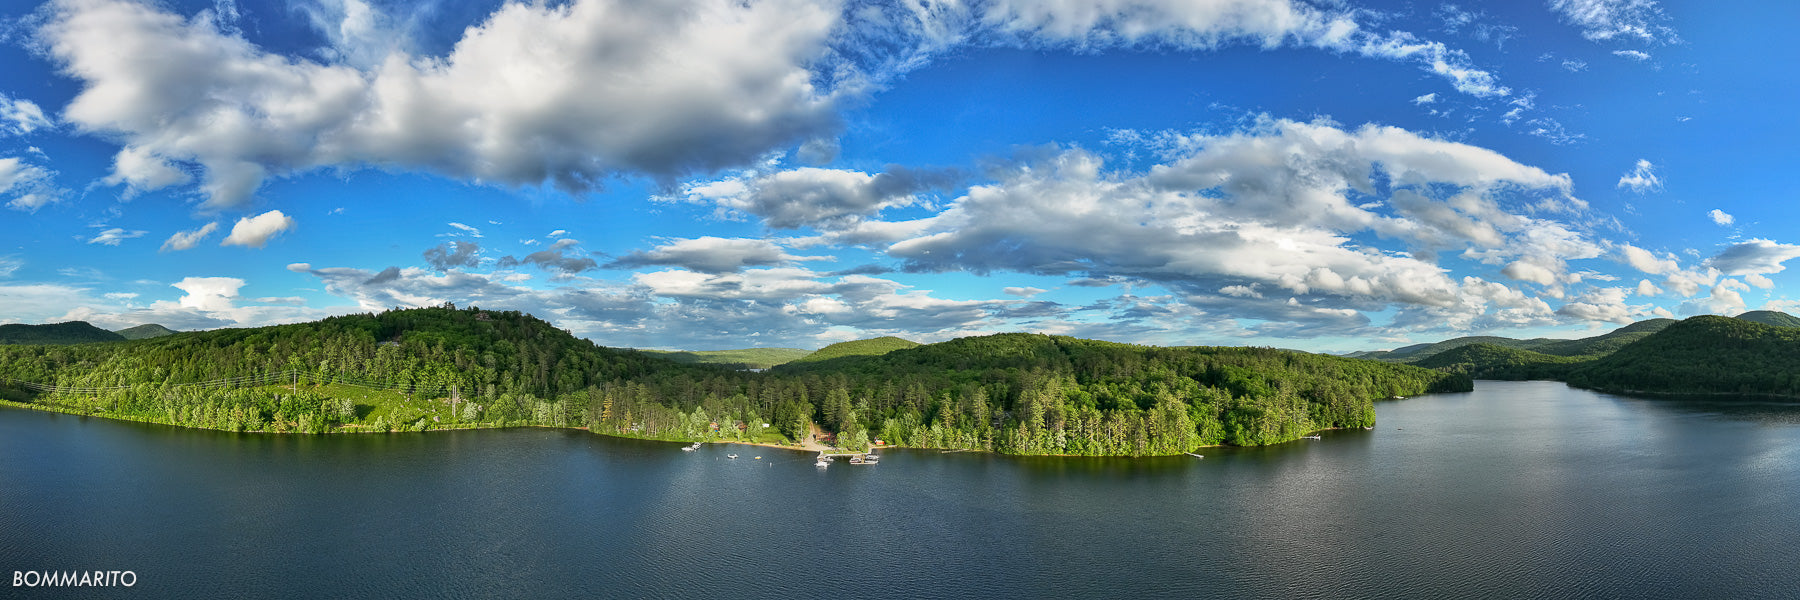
pixel 72 332
pixel 1705 355
pixel 1753 354
pixel 444 367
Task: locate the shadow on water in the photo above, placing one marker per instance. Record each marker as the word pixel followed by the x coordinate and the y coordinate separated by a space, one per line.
pixel 1756 410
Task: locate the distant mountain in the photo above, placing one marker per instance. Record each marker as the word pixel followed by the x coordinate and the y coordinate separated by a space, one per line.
pixel 747 358
pixel 1771 317
pixel 1590 346
pixel 1602 344
pixel 72 332
pixel 1703 355
pixel 144 332
pixel 869 347
pixel 1488 361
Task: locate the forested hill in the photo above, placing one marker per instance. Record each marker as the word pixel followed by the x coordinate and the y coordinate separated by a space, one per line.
pixel 444 367
pixel 1424 354
pixel 145 332
pixel 1705 355
pixel 1770 317
pixel 72 332
pixel 869 347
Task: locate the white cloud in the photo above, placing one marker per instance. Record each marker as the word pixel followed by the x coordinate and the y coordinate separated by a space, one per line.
pixel 209 293
pixel 1574 65
pixel 30 186
pixel 1023 292
pixel 1757 256
pixel 1526 271
pixel 1636 55
pixel 1628 20
pixel 1722 301
pixel 1759 281
pixel 112 237
pixel 1644 260
pixel 1270 211
pixel 813 197
pixel 10 264
pixel 142 171
pixel 1642 178
pixel 254 232
pixel 184 240
pixel 709 255
pixel 1645 288
pixel 1426 99
pixel 20 116
pixel 1094 24
pixel 568 94
pixel 1721 217
pixel 473 232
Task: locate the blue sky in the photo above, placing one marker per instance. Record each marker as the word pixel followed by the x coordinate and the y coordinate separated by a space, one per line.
pixel 707 174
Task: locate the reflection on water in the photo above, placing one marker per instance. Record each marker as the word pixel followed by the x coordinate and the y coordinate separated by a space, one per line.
pixel 1518 489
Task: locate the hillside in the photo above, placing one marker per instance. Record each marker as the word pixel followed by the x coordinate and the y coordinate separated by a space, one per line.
pixel 1771 317
pixel 1488 361
pixel 869 347
pixel 1705 355
pixel 438 368
pixel 747 358
pixel 72 332
pixel 1596 345
pixel 144 332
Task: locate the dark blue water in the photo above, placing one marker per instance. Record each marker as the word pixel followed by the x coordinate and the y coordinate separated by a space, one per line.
pixel 1516 490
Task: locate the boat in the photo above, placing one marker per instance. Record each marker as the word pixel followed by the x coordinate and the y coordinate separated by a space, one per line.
pixel 1310 437
pixel 732 456
pixel 687 448
pixel 1195 455
pixel 822 462
pixel 864 459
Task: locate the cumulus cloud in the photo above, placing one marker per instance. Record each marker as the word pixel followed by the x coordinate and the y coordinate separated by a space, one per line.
pixel 1757 256
pixel 1642 178
pixel 1723 300
pixel 450 255
pixel 1249 220
pixel 184 240
pixel 1623 20
pixel 555 258
pixel 254 232
pixel 30 186
pixel 1721 217
pixel 113 236
pixel 568 94
pixel 819 198
pixel 574 93
pixel 709 255
pixel 20 116
pixel 1426 99
pixel 1759 281
pixel 1645 288
pixel 1648 262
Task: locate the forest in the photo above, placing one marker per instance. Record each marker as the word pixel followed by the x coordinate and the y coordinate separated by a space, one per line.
pixel 445 367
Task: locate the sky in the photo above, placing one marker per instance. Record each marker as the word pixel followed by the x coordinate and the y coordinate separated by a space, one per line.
pixel 711 174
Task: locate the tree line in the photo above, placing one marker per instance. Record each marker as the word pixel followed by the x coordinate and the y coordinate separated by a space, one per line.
pixel 447 367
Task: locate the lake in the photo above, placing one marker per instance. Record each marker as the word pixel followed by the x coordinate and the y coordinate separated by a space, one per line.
pixel 1518 489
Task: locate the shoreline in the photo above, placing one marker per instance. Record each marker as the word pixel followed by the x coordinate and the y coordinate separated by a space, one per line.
pixel 804 448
